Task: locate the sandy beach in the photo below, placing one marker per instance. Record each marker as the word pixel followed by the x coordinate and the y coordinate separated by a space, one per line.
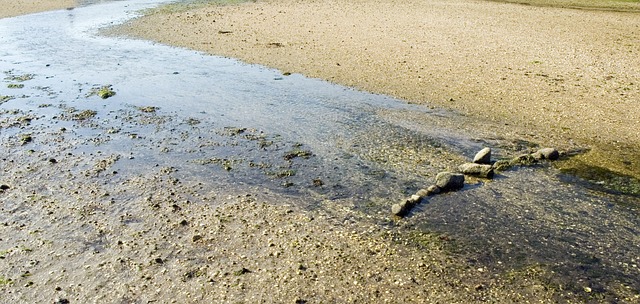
pixel 558 77
pixel 23 7
pixel 100 201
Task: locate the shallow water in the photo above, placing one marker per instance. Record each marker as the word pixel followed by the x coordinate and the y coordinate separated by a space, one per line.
pixel 223 123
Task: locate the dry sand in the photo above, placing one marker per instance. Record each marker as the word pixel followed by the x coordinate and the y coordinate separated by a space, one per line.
pixel 11 8
pixel 554 76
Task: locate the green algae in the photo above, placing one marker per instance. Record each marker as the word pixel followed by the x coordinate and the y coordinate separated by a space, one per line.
pixel 604 179
pixel 15 86
pixel 105 92
pixel 148 109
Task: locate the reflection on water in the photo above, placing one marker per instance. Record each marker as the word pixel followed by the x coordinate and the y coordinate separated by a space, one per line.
pixel 224 122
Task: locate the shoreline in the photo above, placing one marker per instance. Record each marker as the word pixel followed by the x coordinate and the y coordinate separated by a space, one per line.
pixel 520 70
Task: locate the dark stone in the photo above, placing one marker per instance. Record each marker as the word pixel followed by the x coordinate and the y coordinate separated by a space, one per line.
pixel 549 153
pixel 448 181
pixel 401 209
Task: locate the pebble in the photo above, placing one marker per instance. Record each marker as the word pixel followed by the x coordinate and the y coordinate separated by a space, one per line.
pixel 402 208
pixel 423 193
pixel 502 165
pixel 479 170
pixel 448 181
pixel 414 199
pixel 433 189
pixel 483 156
pixel 548 153
pixel 399 209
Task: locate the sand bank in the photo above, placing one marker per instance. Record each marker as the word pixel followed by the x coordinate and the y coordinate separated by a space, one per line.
pixel 554 76
pixel 22 7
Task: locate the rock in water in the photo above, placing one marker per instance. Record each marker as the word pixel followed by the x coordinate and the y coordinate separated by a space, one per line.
pixel 483 157
pixel 423 193
pixel 404 207
pixel 523 160
pixel 502 165
pixel 547 153
pixel 479 170
pixel 398 209
pixel 433 189
pixel 414 199
pixel 448 181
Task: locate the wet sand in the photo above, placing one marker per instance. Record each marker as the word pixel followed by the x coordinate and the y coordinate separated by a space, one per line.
pixel 557 77
pixel 22 7
pixel 101 203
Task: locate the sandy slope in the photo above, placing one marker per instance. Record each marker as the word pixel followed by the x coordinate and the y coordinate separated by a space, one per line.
pixel 11 8
pixel 554 76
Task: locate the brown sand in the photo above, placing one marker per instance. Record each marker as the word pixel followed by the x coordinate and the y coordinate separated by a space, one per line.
pixel 11 8
pixel 550 75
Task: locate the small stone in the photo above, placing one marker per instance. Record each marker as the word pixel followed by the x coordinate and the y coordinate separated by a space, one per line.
pixel 423 193
pixel 479 170
pixel 241 271
pixel 401 209
pixel 433 189
pixel 549 153
pixel 523 160
pixel 448 181
pixel 502 165
pixel 483 156
pixel 537 155
pixel 414 199
pixel 4 187
pixel 397 209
